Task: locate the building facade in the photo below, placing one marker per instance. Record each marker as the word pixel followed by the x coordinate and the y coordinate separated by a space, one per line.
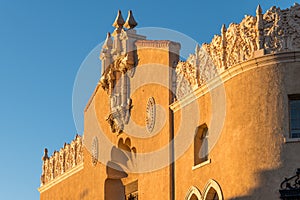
pixel 222 125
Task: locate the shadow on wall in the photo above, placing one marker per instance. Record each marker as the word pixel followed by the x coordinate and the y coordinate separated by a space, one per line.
pixel 84 194
pixel 121 158
pixel 270 180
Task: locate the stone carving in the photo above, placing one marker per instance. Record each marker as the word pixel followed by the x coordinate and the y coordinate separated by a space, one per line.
pixel 79 152
pixel 62 160
pixel 186 78
pixel 56 164
pixel 68 156
pixel 282 29
pixel 275 31
pixel 130 22
pixel 45 160
pixel 150 114
pixel 194 72
pixel 118 61
pixel 234 45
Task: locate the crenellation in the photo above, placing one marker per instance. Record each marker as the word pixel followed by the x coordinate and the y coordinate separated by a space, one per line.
pixel 61 161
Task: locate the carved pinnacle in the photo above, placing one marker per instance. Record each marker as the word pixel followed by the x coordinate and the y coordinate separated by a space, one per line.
pixel 223 30
pixel 45 154
pixel 119 21
pixel 197 48
pixel 130 21
pixel 258 10
pixel 108 43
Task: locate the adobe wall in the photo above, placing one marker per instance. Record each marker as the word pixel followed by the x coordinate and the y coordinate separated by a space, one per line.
pixel 251 158
pixel 153 178
pixel 83 184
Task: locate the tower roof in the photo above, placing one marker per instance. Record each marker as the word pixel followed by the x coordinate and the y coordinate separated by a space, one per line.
pixel 130 21
pixel 119 21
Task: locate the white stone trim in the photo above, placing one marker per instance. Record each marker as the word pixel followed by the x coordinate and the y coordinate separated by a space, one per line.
pixel 201 164
pixel 213 184
pixel 291 140
pixel 60 178
pixel 193 190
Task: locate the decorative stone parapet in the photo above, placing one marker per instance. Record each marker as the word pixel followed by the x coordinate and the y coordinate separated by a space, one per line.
pixel 62 161
pixel 273 32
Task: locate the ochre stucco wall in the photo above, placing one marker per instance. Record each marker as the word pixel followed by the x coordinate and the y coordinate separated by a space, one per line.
pixel 250 158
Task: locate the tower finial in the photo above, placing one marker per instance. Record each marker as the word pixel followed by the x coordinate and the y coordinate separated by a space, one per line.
pixel 258 10
pixel 119 21
pixel 45 156
pixel 197 48
pixel 108 43
pixel 130 21
pixel 223 29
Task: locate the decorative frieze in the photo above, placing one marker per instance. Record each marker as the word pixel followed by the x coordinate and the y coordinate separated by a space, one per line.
pixel 61 161
pixel 275 31
pixel 194 72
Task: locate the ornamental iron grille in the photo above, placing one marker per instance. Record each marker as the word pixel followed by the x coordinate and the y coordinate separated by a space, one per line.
pixel 290 187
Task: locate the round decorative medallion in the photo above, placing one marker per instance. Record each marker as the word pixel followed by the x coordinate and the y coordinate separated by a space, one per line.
pixel 150 114
pixel 94 150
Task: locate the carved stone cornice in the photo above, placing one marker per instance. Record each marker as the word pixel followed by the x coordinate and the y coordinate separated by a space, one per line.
pixel 59 179
pixel 62 161
pixel 273 32
pixel 235 70
pixel 158 44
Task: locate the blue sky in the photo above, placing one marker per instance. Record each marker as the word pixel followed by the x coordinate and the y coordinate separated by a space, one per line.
pixel 42 46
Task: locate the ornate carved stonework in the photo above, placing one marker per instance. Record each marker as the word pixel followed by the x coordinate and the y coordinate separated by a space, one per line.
pixel 194 72
pixel 282 29
pixel 118 61
pixel 275 31
pixel 234 45
pixel 150 114
pixel 62 160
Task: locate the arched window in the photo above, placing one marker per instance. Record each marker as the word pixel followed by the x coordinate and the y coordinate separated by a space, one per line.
pixel 212 195
pixel 213 191
pixel 193 194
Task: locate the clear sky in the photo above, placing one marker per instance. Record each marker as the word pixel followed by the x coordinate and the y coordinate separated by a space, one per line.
pixel 42 45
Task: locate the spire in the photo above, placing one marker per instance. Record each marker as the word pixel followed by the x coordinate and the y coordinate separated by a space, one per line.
pixel 223 29
pixel 45 156
pixel 130 21
pixel 260 28
pixel 108 43
pixel 119 21
pixel 197 48
pixel 223 44
pixel 258 10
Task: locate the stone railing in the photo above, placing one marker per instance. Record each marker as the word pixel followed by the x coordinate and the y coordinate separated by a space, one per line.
pixel 275 31
pixel 61 161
